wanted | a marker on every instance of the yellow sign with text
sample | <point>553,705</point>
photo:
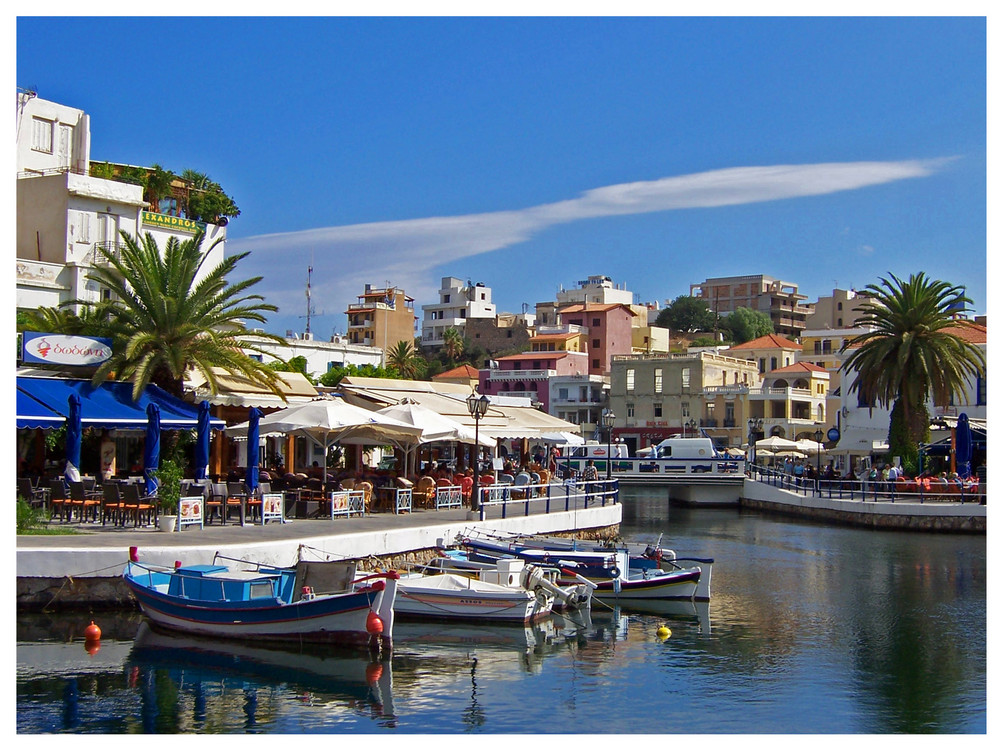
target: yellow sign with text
<point>171,222</point>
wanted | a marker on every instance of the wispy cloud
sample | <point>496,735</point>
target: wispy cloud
<point>407,252</point>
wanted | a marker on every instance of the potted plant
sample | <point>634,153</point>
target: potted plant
<point>168,492</point>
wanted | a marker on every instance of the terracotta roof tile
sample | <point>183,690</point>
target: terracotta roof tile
<point>770,341</point>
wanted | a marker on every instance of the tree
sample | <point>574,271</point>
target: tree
<point>294,364</point>
<point>159,183</point>
<point>910,355</point>
<point>164,322</point>
<point>454,343</point>
<point>745,324</point>
<point>687,314</point>
<point>403,358</point>
<point>206,200</point>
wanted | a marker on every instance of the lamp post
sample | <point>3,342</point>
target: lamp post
<point>607,422</point>
<point>478,405</point>
<point>694,426</point>
<point>753,427</point>
<point>819,451</point>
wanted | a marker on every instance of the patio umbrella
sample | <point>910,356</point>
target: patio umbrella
<point>201,448</point>
<point>151,452</point>
<point>327,421</point>
<point>434,427</point>
<point>963,446</point>
<point>810,447</point>
<point>74,433</point>
<point>253,449</point>
<point>775,443</point>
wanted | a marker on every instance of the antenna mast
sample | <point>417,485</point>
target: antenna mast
<point>309,306</point>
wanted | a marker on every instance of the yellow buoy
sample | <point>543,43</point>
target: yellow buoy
<point>663,632</point>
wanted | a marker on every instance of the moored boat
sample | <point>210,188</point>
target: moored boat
<point>312,602</point>
<point>608,570</point>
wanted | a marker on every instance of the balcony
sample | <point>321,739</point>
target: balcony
<point>521,374</point>
<point>96,255</point>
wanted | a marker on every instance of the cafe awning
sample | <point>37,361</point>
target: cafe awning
<point>33,414</point>
<point>110,405</point>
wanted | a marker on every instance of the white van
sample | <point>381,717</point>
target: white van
<point>680,447</point>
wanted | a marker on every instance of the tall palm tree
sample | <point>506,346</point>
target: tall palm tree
<point>912,352</point>
<point>166,322</point>
<point>403,357</point>
<point>454,342</point>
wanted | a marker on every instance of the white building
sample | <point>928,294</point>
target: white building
<point>64,215</point>
<point>321,356</point>
<point>458,302</point>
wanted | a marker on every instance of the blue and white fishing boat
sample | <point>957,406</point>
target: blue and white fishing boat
<point>609,570</point>
<point>643,559</point>
<point>312,602</point>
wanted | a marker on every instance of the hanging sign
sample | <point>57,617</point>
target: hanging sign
<point>60,349</point>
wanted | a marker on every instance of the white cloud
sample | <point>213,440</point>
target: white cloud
<point>866,250</point>
<point>406,252</point>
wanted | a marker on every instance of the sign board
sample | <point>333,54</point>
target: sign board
<point>272,507</point>
<point>190,511</point>
<point>166,221</point>
<point>59,349</point>
<point>833,435</point>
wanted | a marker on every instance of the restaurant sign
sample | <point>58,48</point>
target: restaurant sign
<point>59,349</point>
<point>177,223</point>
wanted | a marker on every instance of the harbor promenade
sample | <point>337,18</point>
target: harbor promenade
<point>83,569</point>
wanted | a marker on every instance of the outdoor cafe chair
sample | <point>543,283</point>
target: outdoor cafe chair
<point>112,504</point>
<point>86,504</point>
<point>423,493</point>
<point>215,502</point>
<point>255,500</point>
<point>58,498</point>
<point>236,497</point>
<point>34,496</point>
<point>138,506</point>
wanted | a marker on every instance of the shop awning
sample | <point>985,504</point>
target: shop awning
<point>33,414</point>
<point>110,405</point>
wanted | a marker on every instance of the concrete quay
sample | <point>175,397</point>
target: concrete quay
<point>84,570</point>
<point>882,514</point>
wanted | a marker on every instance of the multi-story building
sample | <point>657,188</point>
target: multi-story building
<point>791,401</point>
<point>65,215</point>
<point>608,329</point>
<point>780,300</point>
<point>770,352</point>
<point>840,310</point>
<point>382,317</point>
<point>458,303</point>
<point>505,333</point>
<point>528,374</point>
<point>321,355</point>
<point>654,397</point>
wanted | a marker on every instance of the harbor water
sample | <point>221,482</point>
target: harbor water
<point>811,629</point>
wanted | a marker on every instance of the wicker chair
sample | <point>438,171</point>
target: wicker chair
<point>423,493</point>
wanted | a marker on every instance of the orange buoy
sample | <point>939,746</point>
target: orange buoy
<point>92,633</point>
<point>374,624</point>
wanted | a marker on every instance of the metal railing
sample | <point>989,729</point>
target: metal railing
<point>557,497</point>
<point>865,490</point>
<point>650,467</point>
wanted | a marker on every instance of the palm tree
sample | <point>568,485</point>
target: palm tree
<point>403,357</point>
<point>912,352</point>
<point>166,322</point>
<point>454,342</point>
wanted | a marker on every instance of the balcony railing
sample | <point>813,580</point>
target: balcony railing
<point>96,257</point>
<point>520,374</point>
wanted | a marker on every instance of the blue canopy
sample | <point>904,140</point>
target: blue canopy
<point>74,434</point>
<point>253,450</point>
<point>32,414</point>
<point>151,450</point>
<point>110,404</point>
<point>201,447</point>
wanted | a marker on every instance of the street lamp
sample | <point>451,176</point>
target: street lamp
<point>819,450</point>
<point>478,405</point>
<point>607,422</point>
<point>694,426</point>
<point>753,427</point>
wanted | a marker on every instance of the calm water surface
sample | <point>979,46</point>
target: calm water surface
<point>811,629</point>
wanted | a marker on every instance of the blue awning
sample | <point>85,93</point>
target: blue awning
<point>32,414</point>
<point>110,405</point>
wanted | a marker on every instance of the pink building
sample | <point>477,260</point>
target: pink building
<point>608,328</point>
<point>527,374</point>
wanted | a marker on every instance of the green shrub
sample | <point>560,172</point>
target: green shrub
<point>28,518</point>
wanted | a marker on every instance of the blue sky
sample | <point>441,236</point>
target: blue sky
<point>530,153</point>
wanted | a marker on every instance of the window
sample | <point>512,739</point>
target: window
<point>461,314</point>
<point>595,343</point>
<point>630,379</point>
<point>774,363</point>
<point>657,410</point>
<point>41,135</point>
<point>840,305</point>
<point>761,368</point>
<point>629,411</point>
<point>83,228</point>
<point>981,390</point>
<point>658,380</point>
<point>446,298</point>
<point>686,377</point>
<point>685,409</point>
<point>564,394</point>
<point>596,364</point>
<point>595,323</point>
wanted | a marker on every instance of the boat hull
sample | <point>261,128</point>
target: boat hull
<point>682,585</point>
<point>420,598</point>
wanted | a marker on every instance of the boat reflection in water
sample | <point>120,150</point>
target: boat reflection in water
<point>201,670</point>
<point>697,611</point>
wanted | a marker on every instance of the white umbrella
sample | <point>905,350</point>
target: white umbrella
<point>791,454</point>
<point>775,443</point>
<point>329,420</point>
<point>810,447</point>
<point>434,427</point>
